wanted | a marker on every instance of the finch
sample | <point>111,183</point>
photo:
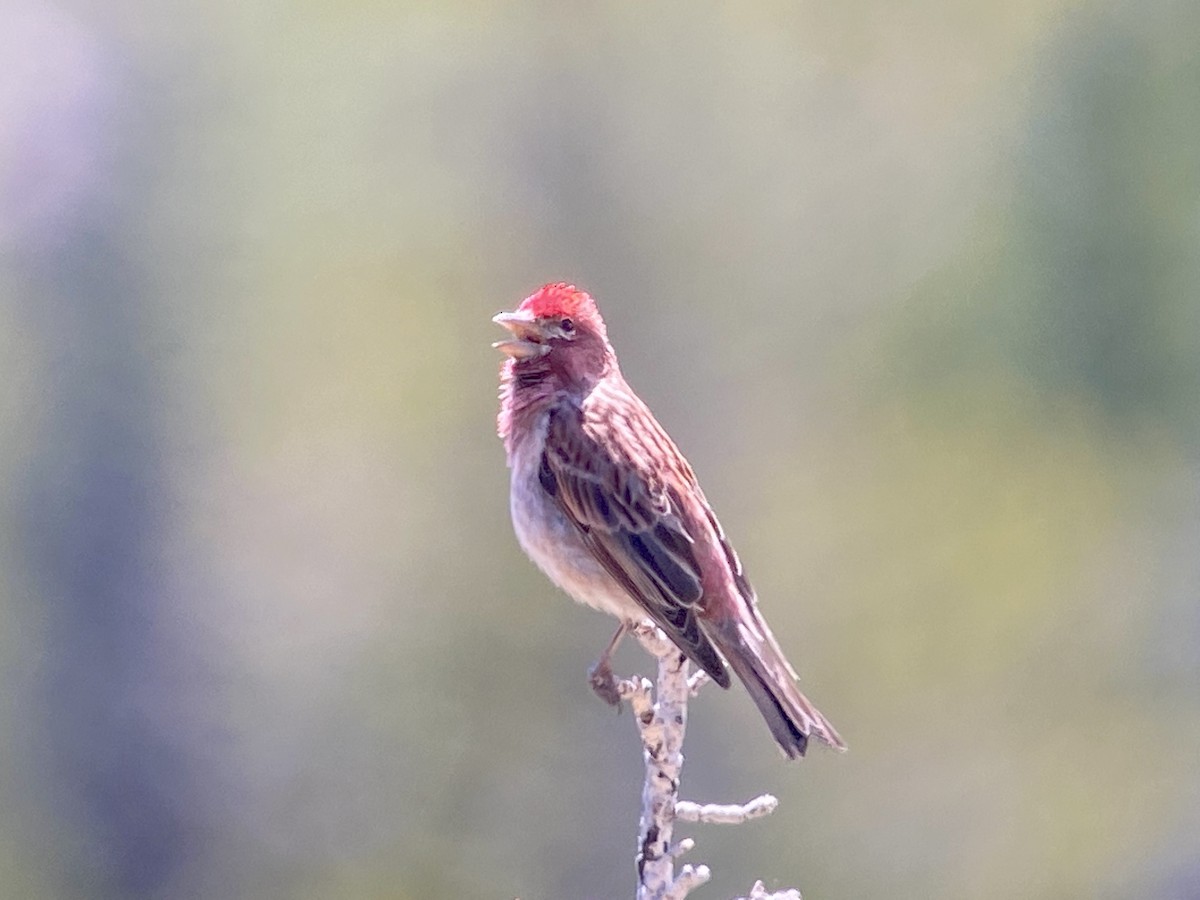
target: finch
<point>606,505</point>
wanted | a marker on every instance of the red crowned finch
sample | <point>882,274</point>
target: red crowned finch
<point>606,505</point>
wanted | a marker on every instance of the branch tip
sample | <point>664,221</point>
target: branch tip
<point>726,813</point>
<point>759,892</point>
<point>698,680</point>
<point>689,878</point>
<point>684,846</point>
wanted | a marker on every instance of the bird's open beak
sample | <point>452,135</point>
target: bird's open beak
<point>527,339</point>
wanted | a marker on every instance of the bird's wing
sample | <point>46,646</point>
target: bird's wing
<point>597,470</point>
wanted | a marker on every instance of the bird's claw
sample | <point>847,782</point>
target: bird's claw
<point>604,684</point>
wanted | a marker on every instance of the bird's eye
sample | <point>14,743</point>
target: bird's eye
<point>567,326</point>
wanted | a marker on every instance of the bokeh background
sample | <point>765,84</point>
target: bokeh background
<point>916,286</point>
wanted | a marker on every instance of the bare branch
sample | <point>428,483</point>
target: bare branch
<point>726,813</point>
<point>660,710</point>
<point>662,727</point>
<point>759,892</point>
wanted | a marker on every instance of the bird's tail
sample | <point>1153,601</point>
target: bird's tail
<point>752,652</point>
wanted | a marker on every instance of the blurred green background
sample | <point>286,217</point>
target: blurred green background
<point>916,287</point>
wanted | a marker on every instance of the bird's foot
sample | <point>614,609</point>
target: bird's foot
<point>604,683</point>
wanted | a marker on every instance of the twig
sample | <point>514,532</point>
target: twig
<point>725,813</point>
<point>696,681</point>
<point>759,892</point>
<point>660,711</point>
<point>662,721</point>
<point>689,877</point>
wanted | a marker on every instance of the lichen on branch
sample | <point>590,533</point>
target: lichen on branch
<point>660,711</point>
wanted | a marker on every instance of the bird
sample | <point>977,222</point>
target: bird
<point>606,505</point>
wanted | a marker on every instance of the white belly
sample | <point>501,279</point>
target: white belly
<point>554,543</point>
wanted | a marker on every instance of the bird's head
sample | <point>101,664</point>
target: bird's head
<point>559,326</point>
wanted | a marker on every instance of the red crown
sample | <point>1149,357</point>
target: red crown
<point>559,299</point>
